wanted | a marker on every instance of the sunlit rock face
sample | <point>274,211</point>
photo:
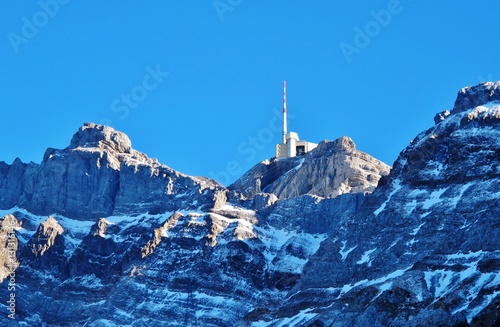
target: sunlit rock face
<point>331,169</point>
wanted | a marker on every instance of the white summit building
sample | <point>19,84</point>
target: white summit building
<point>291,145</point>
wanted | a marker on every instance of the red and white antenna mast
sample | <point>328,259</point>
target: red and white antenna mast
<point>284,112</point>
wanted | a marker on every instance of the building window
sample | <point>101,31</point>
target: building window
<point>301,150</point>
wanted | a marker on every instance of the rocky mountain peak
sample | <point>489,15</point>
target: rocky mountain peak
<point>471,127</point>
<point>473,96</point>
<point>332,168</point>
<point>343,144</point>
<point>99,174</point>
<point>102,226</point>
<point>100,136</point>
<point>45,236</point>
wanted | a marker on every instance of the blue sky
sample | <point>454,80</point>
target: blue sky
<point>197,84</point>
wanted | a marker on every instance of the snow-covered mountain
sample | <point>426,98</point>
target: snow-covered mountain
<point>101,235</point>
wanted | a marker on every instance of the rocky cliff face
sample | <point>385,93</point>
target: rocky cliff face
<point>99,174</point>
<point>333,168</point>
<point>421,249</point>
<point>473,96</point>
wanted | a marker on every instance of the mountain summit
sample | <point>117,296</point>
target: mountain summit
<point>478,95</point>
<point>332,168</point>
<point>99,174</point>
<point>91,135</point>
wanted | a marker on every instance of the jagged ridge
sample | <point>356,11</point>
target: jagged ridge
<point>99,174</point>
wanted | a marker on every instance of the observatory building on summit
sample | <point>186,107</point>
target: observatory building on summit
<point>291,145</point>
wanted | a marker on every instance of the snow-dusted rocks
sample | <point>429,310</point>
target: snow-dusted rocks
<point>159,233</point>
<point>45,236</point>
<point>210,268</point>
<point>473,96</point>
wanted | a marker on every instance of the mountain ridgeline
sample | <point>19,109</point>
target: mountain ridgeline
<point>99,234</point>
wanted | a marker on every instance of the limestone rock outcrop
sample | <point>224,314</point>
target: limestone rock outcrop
<point>333,168</point>
<point>45,237</point>
<point>99,174</point>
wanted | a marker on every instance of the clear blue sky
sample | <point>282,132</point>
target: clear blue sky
<point>219,72</point>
